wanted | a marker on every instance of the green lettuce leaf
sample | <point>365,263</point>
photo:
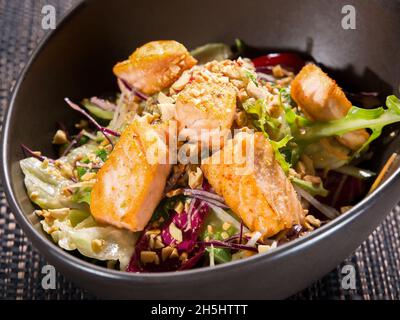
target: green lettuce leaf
<point>357,118</point>
<point>211,51</point>
<point>96,111</point>
<point>270,126</point>
<point>90,239</point>
<point>310,188</point>
<point>45,185</point>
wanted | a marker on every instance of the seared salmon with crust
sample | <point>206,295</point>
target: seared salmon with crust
<point>320,98</point>
<point>155,66</point>
<point>206,105</point>
<point>260,194</point>
<point>130,185</point>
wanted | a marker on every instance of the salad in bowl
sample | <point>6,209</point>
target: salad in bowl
<point>204,157</point>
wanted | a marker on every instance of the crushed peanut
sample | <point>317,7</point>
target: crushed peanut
<point>60,137</point>
<point>158,243</point>
<point>148,257</point>
<point>151,241</point>
<point>97,245</point>
<point>224,235</point>
<point>34,195</point>
<point>153,231</point>
<point>182,81</point>
<point>174,192</point>
<point>263,248</point>
<point>166,252</point>
<point>277,71</point>
<point>59,213</point>
<point>195,178</point>
<point>308,226</point>
<point>345,209</point>
<point>183,257</point>
<point>45,163</point>
<point>174,254</point>
<point>226,226</point>
<point>313,221</point>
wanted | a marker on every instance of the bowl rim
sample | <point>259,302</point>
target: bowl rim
<point>71,261</point>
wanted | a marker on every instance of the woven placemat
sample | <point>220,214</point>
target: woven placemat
<point>377,261</point>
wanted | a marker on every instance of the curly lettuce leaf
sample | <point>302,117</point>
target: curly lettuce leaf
<point>357,118</point>
<point>90,239</point>
<point>310,187</point>
<point>270,126</point>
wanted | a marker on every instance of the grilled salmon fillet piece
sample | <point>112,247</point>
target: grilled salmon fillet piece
<point>155,66</point>
<point>206,104</point>
<point>130,184</point>
<point>320,98</point>
<point>260,194</point>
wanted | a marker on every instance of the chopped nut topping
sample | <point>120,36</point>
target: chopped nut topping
<point>158,243</point>
<point>34,195</point>
<point>45,163</point>
<point>226,226</point>
<point>308,226</point>
<point>174,254</point>
<point>224,235</point>
<point>153,231</point>
<point>263,248</point>
<point>60,137</point>
<point>182,81</point>
<point>345,208</point>
<point>166,252</point>
<point>59,213</point>
<point>174,193</point>
<point>183,257</point>
<point>66,169</point>
<point>313,221</point>
<point>151,241</point>
<point>195,178</point>
<point>52,229</point>
<point>277,71</point>
<point>148,257</point>
<point>97,245</point>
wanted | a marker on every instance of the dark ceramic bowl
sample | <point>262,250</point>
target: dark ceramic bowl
<point>76,60</point>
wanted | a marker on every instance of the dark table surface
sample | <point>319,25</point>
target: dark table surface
<point>376,261</point>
